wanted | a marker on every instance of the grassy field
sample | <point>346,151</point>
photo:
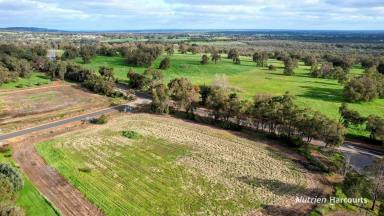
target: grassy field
<point>323,95</point>
<point>36,79</point>
<point>173,168</point>
<point>29,198</point>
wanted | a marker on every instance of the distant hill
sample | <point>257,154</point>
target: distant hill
<point>29,29</point>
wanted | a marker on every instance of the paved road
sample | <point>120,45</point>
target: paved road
<point>64,121</point>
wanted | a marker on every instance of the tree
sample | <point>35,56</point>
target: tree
<point>217,101</point>
<point>204,59</point>
<point>154,76</point>
<point>137,81</point>
<point>170,50</point>
<point>377,189</point>
<point>232,53</point>
<point>363,88</point>
<point>165,63</point>
<point>185,95</point>
<point>106,72</point>
<point>355,184</point>
<point>348,117</point>
<point>310,60</point>
<point>375,125</point>
<point>215,57</point>
<point>5,75</point>
<point>61,70</point>
<point>324,71</point>
<point>261,58</point>
<point>12,175</point>
<point>380,67</point>
<point>271,67</point>
<point>142,56</point>
<point>183,48</point>
<point>160,99</point>
<point>236,60</point>
<point>288,66</point>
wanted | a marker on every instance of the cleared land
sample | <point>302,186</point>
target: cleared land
<point>23,108</point>
<point>176,167</point>
<point>323,95</point>
<point>29,198</point>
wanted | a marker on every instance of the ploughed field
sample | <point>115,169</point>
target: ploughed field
<point>324,95</point>
<point>23,108</point>
<point>174,167</point>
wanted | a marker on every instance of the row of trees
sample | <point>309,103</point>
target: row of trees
<point>276,115</point>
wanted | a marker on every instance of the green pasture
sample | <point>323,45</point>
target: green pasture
<point>324,95</point>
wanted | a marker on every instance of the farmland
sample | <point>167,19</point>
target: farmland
<point>174,167</point>
<point>324,95</point>
<point>21,108</point>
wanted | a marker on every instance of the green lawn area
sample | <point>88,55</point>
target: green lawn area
<point>36,79</point>
<point>29,198</point>
<point>324,95</point>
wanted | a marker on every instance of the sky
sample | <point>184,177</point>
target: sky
<point>193,14</point>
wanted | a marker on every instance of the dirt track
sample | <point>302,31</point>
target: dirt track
<point>65,197</point>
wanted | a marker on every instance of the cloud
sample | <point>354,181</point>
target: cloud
<point>224,14</point>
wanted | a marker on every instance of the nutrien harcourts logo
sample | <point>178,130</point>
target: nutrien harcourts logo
<point>332,200</point>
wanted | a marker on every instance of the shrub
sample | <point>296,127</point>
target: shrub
<point>272,67</point>
<point>8,209</point>
<point>165,63</point>
<point>85,169</point>
<point>355,185</point>
<point>12,175</point>
<point>364,88</point>
<point>6,190</point>
<point>131,134</point>
<point>204,59</point>
<point>103,119</point>
<point>137,81</point>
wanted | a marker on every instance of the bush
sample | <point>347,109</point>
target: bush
<point>131,134</point>
<point>272,67</point>
<point>85,169</point>
<point>355,185</point>
<point>204,59</point>
<point>8,209</point>
<point>363,88</point>
<point>103,119</point>
<point>12,175</point>
<point>165,63</point>
<point>137,81</point>
<point>6,190</point>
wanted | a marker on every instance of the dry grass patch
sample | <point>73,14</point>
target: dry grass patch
<point>23,108</point>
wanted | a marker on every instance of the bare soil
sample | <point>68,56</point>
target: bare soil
<point>24,108</point>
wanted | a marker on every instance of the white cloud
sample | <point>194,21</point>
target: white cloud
<point>146,14</point>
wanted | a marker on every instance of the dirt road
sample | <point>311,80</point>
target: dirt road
<point>66,198</point>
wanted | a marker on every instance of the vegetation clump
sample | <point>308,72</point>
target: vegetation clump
<point>131,134</point>
<point>165,63</point>
<point>103,119</point>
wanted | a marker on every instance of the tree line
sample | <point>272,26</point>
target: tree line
<point>277,115</point>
